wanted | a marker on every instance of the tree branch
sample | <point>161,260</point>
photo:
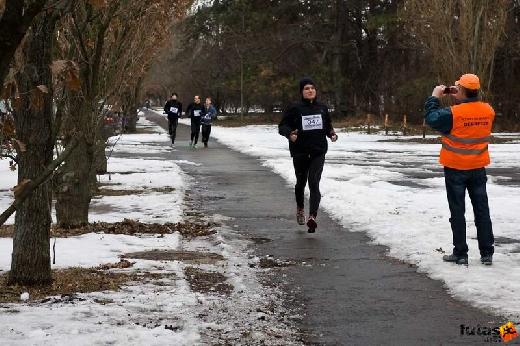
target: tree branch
<point>9,156</point>
<point>33,184</point>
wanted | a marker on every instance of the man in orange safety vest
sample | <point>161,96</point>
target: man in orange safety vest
<point>466,132</point>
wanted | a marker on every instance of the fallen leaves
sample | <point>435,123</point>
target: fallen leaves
<point>129,227</point>
<point>67,283</point>
<point>207,282</point>
<point>193,257</point>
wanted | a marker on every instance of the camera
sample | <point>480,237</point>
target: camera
<point>450,90</point>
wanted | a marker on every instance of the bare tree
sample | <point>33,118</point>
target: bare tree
<point>113,43</point>
<point>34,128</point>
<point>462,35</point>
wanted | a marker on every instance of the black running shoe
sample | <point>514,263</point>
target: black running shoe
<point>311,223</point>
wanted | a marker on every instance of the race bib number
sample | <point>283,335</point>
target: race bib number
<point>196,113</point>
<point>312,122</point>
<point>174,110</point>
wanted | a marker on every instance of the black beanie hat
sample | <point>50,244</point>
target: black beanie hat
<point>304,82</point>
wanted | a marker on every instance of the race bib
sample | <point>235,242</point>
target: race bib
<point>312,122</point>
<point>174,110</point>
<point>196,113</point>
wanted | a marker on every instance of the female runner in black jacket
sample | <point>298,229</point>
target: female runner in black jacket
<point>307,124</point>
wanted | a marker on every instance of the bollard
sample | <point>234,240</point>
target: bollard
<point>424,128</point>
<point>405,126</point>
<point>386,124</point>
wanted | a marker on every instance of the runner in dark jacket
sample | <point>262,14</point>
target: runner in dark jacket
<point>173,109</point>
<point>195,111</point>
<point>207,119</point>
<point>306,125</point>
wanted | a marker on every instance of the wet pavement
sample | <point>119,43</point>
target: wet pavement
<point>347,291</point>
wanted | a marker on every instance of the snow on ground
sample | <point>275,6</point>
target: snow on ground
<point>8,179</point>
<point>96,248</point>
<point>161,312</point>
<point>395,192</point>
<point>148,174</point>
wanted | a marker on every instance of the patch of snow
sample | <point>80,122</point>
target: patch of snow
<point>395,192</point>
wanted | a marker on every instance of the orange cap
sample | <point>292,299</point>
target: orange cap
<point>469,81</point>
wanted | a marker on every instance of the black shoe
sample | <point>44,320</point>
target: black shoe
<point>205,145</point>
<point>487,260</point>
<point>455,259</point>
<point>311,223</point>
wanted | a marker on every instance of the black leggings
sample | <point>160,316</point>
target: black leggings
<point>206,131</point>
<point>308,167</point>
<point>172,128</point>
<point>195,130</point>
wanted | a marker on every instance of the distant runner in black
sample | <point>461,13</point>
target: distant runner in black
<point>306,125</point>
<point>173,109</point>
<point>195,111</point>
<point>209,116</point>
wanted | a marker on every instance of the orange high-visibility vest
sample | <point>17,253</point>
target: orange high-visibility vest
<point>466,146</point>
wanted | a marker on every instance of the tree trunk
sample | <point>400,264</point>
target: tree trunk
<point>15,20</point>
<point>73,190</point>
<point>100,158</point>
<point>131,120</point>
<point>34,127</point>
<point>338,58</point>
<point>131,112</point>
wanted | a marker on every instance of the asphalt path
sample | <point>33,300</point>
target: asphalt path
<point>348,291</point>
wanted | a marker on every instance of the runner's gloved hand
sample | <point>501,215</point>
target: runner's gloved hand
<point>333,137</point>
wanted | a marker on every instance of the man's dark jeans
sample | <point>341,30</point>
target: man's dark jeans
<point>457,181</point>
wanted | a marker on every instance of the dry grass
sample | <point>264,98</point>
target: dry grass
<point>193,257</point>
<point>67,282</point>
<point>264,119</point>
<point>71,281</point>
<point>115,192</point>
